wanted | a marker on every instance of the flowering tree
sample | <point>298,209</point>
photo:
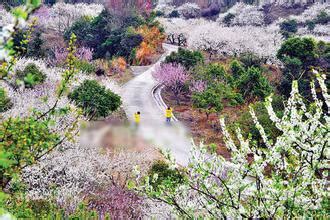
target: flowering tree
<point>189,10</point>
<point>173,77</point>
<point>244,14</point>
<point>61,15</point>
<point>286,178</point>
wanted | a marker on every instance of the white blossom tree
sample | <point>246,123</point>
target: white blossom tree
<point>288,177</point>
<point>244,15</point>
<point>61,15</point>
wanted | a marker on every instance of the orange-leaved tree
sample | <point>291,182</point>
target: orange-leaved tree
<point>152,43</point>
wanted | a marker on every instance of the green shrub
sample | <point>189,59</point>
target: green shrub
<point>304,49</point>
<point>253,84</point>
<point>250,60</point>
<point>186,58</point>
<point>236,68</point>
<point>31,76</point>
<point>94,99</point>
<point>85,67</point>
<point>5,102</point>
<point>165,175</point>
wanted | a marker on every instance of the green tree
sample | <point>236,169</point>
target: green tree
<point>24,141</point>
<point>188,59</point>
<point>253,84</point>
<point>299,56</point>
<point>212,73</point>
<point>289,27</point>
<point>94,99</point>
<point>212,99</point>
<point>237,70</point>
<point>304,49</point>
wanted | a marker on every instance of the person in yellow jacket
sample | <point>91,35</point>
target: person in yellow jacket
<point>137,118</point>
<point>168,114</point>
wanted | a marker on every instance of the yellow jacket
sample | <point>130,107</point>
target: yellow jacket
<point>137,118</point>
<point>168,113</point>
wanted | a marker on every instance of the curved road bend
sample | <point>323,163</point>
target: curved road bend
<point>137,96</point>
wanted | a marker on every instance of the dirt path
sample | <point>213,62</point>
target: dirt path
<point>137,96</point>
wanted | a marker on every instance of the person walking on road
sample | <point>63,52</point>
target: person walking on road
<point>137,118</point>
<point>168,115</point>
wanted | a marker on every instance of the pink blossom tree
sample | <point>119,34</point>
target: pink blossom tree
<point>172,76</point>
<point>60,55</point>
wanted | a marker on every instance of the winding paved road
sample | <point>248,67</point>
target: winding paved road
<point>137,96</point>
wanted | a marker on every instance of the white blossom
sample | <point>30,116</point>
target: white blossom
<point>244,15</point>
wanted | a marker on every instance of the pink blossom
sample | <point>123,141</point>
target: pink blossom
<point>173,77</point>
<point>60,55</point>
<point>85,53</point>
<point>42,13</point>
<point>197,86</point>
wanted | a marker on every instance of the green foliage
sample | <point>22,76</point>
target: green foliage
<point>5,102</point>
<point>228,18</point>
<point>251,60</point>
<point>237,70</point>
<point>213,98</point>
<point>289,27</point>
<point>85,66</point>
<point>165,175</point>
<point>253,84</point>
<point>245,121</point>
<point>299,55</point>
<point>303,49</point>
<point>23,141</point>
<point>212,73</point>
<point>188,59</point>
<point>31,76</point>
<point>94,99</point>
<point>108,34</point>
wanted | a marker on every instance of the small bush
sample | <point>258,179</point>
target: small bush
<point>165,174</point>
<point>94,99</point>
<point>85,67</point>
<point>186,58</point>
<point>251,60</point>
<point>31,76</point>
<point>5,102</point>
